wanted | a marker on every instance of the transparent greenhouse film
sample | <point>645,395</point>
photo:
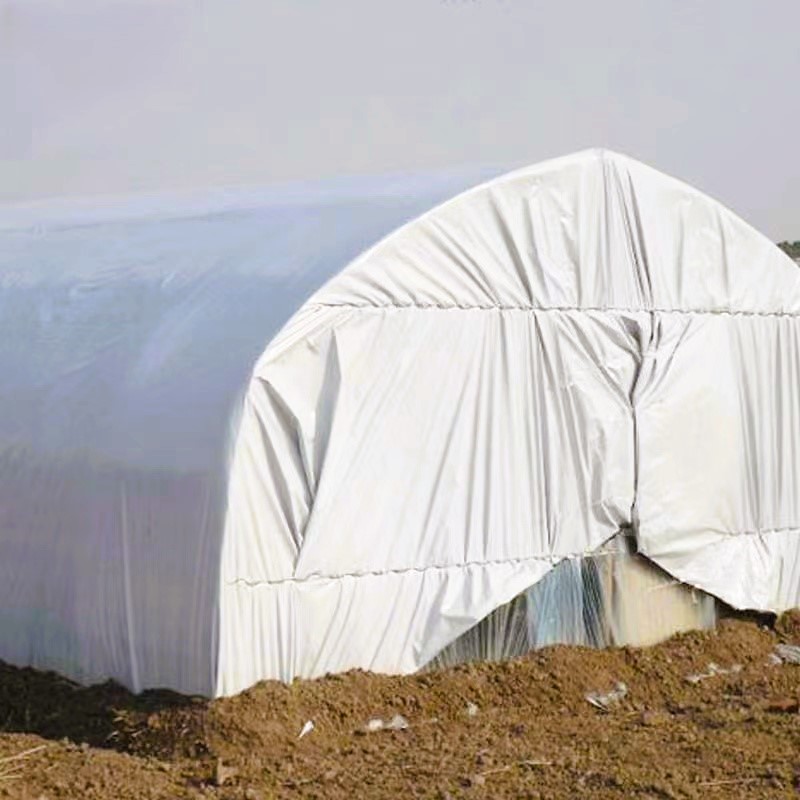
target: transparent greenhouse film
<point>613,597</point>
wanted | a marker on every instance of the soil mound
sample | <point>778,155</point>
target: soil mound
<point>703,714</point>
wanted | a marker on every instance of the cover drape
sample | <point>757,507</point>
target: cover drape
<point>505,382</point>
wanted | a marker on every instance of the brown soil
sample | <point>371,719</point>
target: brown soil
<point>530,733</point>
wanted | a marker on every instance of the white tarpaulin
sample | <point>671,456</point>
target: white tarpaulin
<point>506,382</point>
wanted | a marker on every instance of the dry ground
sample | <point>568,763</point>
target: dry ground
<point>518,729</point>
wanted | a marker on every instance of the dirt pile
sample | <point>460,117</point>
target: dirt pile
<point>704,714</point>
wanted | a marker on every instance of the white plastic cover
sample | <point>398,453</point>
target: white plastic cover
<point>502,384</point>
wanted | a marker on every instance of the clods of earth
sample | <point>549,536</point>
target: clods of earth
<point>711,715</point>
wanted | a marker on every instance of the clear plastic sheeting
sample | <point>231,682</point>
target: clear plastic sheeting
<point>614,597</point>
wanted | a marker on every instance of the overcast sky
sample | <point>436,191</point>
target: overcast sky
<point>117,96</point>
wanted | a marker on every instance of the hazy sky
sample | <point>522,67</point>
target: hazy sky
<point>113,96</point>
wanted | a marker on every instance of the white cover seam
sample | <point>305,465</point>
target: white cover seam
<point>534,309</point>
<point>553,559</point>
